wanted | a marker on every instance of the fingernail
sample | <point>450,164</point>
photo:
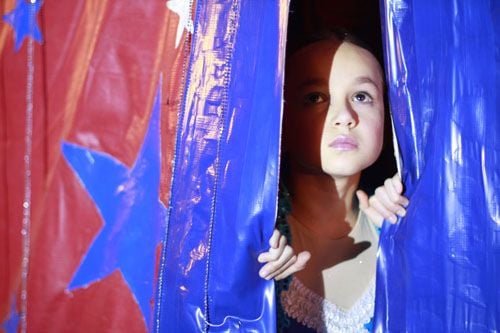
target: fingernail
<point>401,212</point>
<point>393,219</point>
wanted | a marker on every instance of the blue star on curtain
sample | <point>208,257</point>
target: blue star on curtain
<point>11,324</point>
<point>20,19</point>
<point>134,217</point>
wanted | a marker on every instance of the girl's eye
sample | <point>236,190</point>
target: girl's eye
<point>362,97</point>
<point>314,98</point>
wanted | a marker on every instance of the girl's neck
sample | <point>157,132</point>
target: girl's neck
<point>323,205</point>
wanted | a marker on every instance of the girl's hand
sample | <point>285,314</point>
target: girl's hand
<point>281,261</point>
<point>386,203</point>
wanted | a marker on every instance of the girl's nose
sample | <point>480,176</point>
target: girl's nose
<point>344,116</point>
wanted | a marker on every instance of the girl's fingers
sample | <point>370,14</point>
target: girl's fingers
<point>274,240</point>
<point>382,210</point>
<point>273,253</point>
<point>364,205</point>
<point>298,265</point>
<point>273,265</point>
<point>392,190</point>
<point>374,216</point>
<point>397,184</point>
<point>281,269</point>
<point>396,188</point>
<point>382,195</point>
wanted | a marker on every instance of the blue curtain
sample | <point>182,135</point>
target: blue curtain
<point>224,186</point>
<point>438,269</point>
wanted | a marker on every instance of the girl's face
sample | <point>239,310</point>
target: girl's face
<point>334,111</point>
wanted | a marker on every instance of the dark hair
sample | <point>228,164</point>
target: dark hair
<point>334,34</point>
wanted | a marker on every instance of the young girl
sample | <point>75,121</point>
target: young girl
<point>332,130</point>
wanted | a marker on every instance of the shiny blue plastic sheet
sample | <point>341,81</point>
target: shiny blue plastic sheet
<point>224,185</point>
<point>438,269</point>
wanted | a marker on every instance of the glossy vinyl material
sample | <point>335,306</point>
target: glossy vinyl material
<point>438,269</point>
<point>105,101</point>
<point>224,185</point>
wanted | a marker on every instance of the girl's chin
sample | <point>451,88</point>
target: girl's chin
<point>339,173</point>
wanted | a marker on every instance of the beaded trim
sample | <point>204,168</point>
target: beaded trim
<point>313,311</point>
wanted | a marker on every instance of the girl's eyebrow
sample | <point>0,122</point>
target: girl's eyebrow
<point>366,79</point>
<point>313,82</point>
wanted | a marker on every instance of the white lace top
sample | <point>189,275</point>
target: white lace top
<point>313,311</point>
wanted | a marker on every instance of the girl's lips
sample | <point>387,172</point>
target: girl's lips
<point>343,142</point>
